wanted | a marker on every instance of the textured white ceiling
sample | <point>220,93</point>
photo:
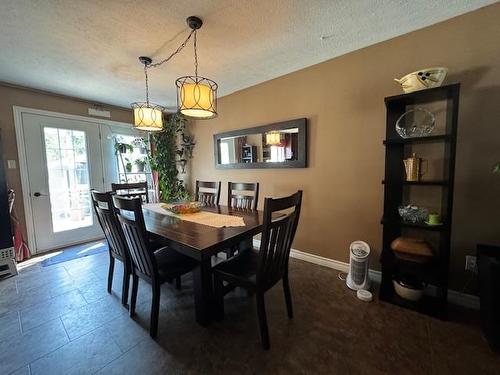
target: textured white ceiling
<point>89,48</point>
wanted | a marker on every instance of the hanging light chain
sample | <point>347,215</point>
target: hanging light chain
<point>195,56</point>
<point>147,85</point>
<point>179,49</point>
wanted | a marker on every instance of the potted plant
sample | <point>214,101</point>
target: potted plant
<point>140,164</point>
<point>165,160</point>
<point>122,148</point>
<point>141,144</point>
<point>128,165</point>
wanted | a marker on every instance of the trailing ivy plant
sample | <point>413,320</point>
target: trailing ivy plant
<point>164,160</point>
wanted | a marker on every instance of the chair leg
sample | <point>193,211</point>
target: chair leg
<point>133,295</point>
<point>219,298</point>
<point>261,312</point>
<point>125,285</point>
<point>110,273</point>
<point>155,311</point>
<point>178,284</point>
<point>288,296</point>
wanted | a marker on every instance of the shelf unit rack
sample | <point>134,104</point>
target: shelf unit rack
<point>394,183</point>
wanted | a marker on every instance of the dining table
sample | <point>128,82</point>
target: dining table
<point>201,242</point>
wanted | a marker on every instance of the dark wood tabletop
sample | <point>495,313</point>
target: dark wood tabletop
<point>200,242</point>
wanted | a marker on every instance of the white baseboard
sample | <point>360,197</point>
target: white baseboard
<point>454,297</point>
<point>463,299</point>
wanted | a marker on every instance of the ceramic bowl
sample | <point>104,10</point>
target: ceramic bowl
<point>417,122</point>
<point>423,79</point>
<point>412,291</point>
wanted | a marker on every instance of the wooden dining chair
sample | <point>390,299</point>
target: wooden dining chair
<point>106,215</point>
<point>154,267</point>
<point>136,189</point>
<point>257,271</point>
<point>242,195</point>
<point>208,192</point>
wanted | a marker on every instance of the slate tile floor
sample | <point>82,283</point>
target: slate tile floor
<point>60,320</point>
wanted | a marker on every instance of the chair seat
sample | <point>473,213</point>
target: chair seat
<point>240,270</point>
<point>172,264</point>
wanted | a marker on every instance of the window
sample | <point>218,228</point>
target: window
<point>277,154</point>
<point>224,153</point>
<point>68,175</point>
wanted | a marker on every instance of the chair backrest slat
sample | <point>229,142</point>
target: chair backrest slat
<point>210,197</point>
<point>277,238</point>
<point>243,195</point>
<point>132,221</point>
<point>137,189</point>
<point>106,215</point>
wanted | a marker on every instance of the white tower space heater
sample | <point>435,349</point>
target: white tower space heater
<point>358,277</point>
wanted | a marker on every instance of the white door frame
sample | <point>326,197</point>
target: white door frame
<point>21,152</point>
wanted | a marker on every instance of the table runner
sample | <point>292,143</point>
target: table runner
<point>211,219</point>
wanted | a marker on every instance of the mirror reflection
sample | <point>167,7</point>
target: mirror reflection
<point>275,146</point>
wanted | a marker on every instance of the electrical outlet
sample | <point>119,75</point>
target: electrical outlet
<point>470,263</point>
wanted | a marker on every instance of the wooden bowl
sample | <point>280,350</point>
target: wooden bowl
<point>412,249</point>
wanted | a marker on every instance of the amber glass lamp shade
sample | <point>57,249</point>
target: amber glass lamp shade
<point>148,116</point>
<point>197,97</point>
<point>273,138</point>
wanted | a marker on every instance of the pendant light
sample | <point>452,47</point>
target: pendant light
<point>147,116</point>
<point>273,138</point>
<point>196,96</point>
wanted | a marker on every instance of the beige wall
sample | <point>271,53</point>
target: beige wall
<point>15,96</point>
<point>343,100</point>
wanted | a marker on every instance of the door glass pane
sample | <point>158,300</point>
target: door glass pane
<point>132,164</point>
<point>68,176</point>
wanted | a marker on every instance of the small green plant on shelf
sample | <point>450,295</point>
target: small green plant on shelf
<point>128,165</point>
<point>140,164</point>
<point>122,148</point>
<point>496,168</point>
<point>142,144</point>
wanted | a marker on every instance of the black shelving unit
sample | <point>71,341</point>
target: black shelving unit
<point>396,189</point>
<point>249,154</point>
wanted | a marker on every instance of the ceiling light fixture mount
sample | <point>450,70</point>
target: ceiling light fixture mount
<point>194,22</point>
<point>145,60</point>
<point>196,95</point>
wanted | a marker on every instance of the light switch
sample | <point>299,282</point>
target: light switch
<point>11,164</point>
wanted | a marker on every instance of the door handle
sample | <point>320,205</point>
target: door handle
<point>38,194</point>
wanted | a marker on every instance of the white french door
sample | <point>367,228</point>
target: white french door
<point>64,162</point>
